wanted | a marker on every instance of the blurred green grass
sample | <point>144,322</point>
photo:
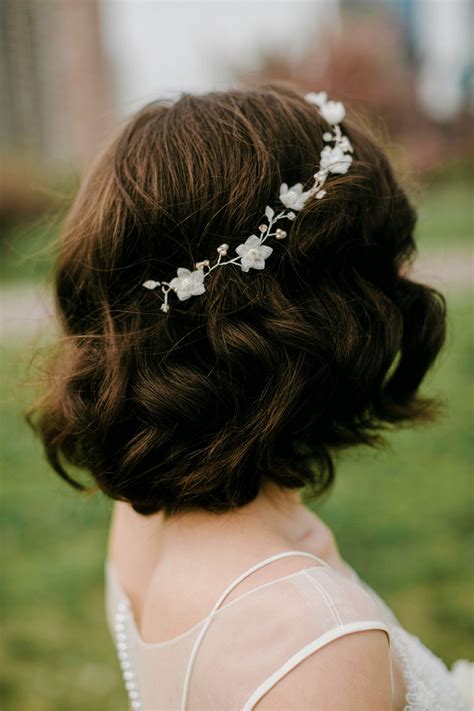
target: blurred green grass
<point>445,213</point>
<point>28,250</point>
<point>402,516</point>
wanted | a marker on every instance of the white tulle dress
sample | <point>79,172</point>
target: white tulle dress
<point>240,650</point>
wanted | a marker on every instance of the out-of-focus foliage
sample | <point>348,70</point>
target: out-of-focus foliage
<point>24,195</point>
<point>33,203</point>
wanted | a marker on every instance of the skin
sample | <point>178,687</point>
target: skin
<point>155,558</point>
<point>165,564</point>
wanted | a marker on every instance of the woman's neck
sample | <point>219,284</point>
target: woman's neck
<point>276,514</point>
<point>275,521</point>
<point>189,545</point>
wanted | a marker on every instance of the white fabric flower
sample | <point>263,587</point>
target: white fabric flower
<point>253,253</point>
<point>333,112</point>
<point>293,198</point>
<point>345,144</point>
<point>462,673</point>
<point>334,160</point>
<point>188,283</point>
<point>318,98</point>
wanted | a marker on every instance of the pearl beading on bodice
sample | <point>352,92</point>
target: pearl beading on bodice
<point>122,617</point>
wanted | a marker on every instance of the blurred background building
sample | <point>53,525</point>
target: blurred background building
<point>55,79</point>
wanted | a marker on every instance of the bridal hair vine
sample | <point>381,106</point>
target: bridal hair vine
<point>253,252</point>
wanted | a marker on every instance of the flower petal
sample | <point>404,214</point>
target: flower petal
<point>297,188</point>
<point>197,276</point>
<point>252,241</point>
<point>265,251</point>
<point>198,289</point>
<point>316,97</point>
<point>183,294</point>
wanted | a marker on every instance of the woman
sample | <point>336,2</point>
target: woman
<point>232,282</point>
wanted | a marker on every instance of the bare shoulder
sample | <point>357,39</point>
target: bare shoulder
<point>352,672</point>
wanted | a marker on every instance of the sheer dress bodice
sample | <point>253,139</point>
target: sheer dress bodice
<point>230,659</point>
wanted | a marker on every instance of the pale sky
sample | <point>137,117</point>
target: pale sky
<point>162,47</point>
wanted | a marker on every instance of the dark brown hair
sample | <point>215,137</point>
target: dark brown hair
<point>269,372</point>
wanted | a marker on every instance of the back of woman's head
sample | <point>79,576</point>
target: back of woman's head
<point>267,373</point>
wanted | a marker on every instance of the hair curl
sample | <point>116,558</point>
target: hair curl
<point>268,373</point>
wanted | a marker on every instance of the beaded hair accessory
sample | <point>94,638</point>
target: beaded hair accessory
<point>253,252</point>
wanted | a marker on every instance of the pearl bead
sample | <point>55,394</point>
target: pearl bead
<point>222,248</point>
<point>123,611</point>
<point>280,234</point>
<point>263,228</point>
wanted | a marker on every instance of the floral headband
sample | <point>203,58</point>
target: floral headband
<point>253,252</point>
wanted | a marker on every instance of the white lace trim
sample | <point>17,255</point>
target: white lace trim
<point>428,680</point>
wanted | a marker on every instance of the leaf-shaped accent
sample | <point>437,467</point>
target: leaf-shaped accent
<point>150,284</point>
<point>269,213</point>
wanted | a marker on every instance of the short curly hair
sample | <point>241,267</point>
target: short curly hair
<point>268,373</point>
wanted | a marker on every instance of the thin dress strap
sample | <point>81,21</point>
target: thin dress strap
<point>221,599</point>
